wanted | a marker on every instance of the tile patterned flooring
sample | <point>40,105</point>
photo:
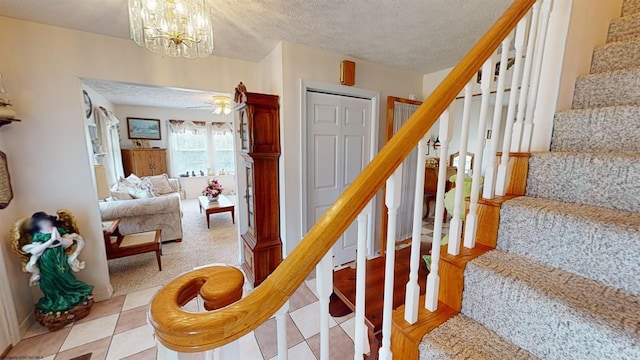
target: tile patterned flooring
<point>117,329</point>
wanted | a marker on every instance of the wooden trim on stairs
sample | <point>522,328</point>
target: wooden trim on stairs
<point>405,337</point>
<point>517,171</point>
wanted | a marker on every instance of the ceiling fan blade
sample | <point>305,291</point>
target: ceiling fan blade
<point>198,107</point>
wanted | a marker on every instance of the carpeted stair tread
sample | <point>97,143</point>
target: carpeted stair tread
<point>624,28</point>
<point>618,55</point>
<point>550,312</point>
<point>630,7</point>
<point>612,88</point>
<point>593,242</point>
<point>461,338</point>
<point>615,128</point>
<point>610,180</point>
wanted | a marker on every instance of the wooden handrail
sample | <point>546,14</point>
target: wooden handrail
<point>188,332</point>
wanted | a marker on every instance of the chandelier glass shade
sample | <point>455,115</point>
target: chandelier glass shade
<point>178,28</point>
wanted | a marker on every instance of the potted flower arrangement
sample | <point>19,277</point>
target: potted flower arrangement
<point>213,189</point>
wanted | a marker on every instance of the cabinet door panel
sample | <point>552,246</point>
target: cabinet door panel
<point>159,162</point>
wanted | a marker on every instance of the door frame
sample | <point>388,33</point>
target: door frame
<point>12,326</point>
<point>340,90</point>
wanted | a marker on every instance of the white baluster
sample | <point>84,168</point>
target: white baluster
<point>392,201</point>
<point>281,331</point>
<point>526,79</point>
<point>471,223</point>
<point>488,191</point>
<point>164,353</point>
<point>433,279</point>
<point>455,226</point>
<point>231,351</point>
<point>527,132</point>
<point>324,285</point>
<point>412,294</point>
<point>361,283</point>
<point>501,179</point>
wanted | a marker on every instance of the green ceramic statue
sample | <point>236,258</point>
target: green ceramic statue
<point>50,246</point>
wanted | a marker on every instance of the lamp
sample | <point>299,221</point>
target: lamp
<point>102,186</point>
<point>178,28</point>
<point>222,104</point>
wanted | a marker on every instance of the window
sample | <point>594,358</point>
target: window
<point>200,151</point>
<point>224,152</point>
<point>189,152</point>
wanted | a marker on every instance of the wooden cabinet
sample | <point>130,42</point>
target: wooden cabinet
<point>144,162</point>
<point>260,147</point>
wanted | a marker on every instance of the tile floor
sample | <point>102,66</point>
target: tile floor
<point>117,329</point>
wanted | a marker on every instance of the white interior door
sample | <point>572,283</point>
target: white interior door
<point>338,143</point>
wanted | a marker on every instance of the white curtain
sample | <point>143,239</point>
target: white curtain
<point>404,229</point>
<point>180,127</point>
<point>109,134</point>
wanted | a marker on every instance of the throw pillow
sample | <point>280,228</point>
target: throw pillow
<point>147,186</point>
<point>134,179</point>
<point>140,194</point>
<point>160,184</point>
<point>121,195</point>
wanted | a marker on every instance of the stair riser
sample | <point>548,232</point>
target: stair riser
<point>630,7</point>
<point>608,89</point>
<point>611,181</point>
<point>616,56</point>
<point>517,303</point>
<point>580,239</point>
<point>600,129</point>
<point>624,28</point>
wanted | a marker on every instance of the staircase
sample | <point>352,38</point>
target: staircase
<point>547,270</point>
<point>564,279</point>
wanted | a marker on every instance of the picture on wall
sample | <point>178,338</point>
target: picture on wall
<point>145,129</point>
<point>6,194</point>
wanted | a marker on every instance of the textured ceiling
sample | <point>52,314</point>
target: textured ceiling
<point>145,95</point>
<point>425,35</point>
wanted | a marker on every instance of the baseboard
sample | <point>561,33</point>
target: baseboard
<point>26,323</point>
<point>4,354</point>
<point>106,294</point>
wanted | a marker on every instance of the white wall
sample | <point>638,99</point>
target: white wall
<point>42,67</point>
<point>164,114</point>
<point>301,62</point>
<point>588,28</point>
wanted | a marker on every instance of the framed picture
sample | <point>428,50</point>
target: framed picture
<point>144,129</point>
<point>6,193</point>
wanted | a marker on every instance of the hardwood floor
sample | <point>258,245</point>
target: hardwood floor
<point>344,285</point>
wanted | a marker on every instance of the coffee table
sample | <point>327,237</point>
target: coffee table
<point>222,205</point>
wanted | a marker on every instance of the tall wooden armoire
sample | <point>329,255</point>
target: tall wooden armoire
<point>260,147</point>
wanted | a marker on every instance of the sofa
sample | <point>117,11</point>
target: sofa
<point>161,212</point>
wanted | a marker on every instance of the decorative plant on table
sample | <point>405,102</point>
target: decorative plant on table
<point>213,190</point>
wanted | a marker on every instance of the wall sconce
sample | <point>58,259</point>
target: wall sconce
<point>436,144</point>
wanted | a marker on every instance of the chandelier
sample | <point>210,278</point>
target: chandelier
<point>178,28</point>
<point>222,104</point>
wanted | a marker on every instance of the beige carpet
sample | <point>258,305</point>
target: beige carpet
<point>200,246</point>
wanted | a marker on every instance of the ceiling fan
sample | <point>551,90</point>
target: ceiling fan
<point>222,104</point>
